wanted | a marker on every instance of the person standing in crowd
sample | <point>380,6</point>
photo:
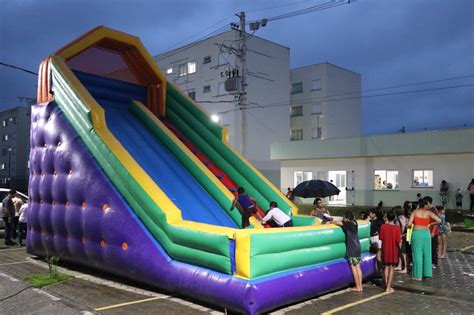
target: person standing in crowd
<point>459,197</point>
<point>8,214</point>
<point>353,251</point>
<point>422,219</point>
<point>470,189</point>
<point>17,202</point>
<point>275,214</point>
<point>419,197</point>
<point>22,221</point>
<point>403,222</point>
<point>443,233</point>
<point>248,206</point>
<point>391,238</point>
<point>443,191</point>
<point>434,231</point>
<point>289,194</point>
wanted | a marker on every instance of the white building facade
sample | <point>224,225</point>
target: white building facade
<point>389,168</point>
<point>200,69</point>
<point>325,102</point>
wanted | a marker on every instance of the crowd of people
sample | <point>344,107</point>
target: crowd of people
<point>14,215</point>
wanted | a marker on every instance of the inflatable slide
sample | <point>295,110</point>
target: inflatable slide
<point>131,177</point>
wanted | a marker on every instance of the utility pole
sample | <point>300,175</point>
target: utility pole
<point>243,91</point>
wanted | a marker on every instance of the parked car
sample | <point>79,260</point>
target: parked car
<point>3,194</point>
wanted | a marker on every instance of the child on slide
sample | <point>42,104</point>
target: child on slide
<point>246,205</point>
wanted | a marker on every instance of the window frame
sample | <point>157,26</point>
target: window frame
<point>183,66</point>
<point>204,88</point>
<point>207,59</point>
<point>191,70</point>
<point>320,112</point>
<point>303,175</point>
<point>292,110</point>
<point>224,59</point>
<point>219,89</point>
<point>423,170</point>
<point>386,171</point>
<point>312,85</point>
<point>293,90</point>
<point>169,70</point>
<point>295,131</point>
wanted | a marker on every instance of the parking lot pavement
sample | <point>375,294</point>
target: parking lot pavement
<point>92,292</point>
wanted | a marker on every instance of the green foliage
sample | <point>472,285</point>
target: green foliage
<point>39,281</point>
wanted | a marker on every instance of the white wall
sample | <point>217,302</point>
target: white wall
<point>456,169</point>
<point>339,118</point>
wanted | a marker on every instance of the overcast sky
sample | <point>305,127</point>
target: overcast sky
<point>388,42</point>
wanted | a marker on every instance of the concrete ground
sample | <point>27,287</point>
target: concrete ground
<point>450,291</point>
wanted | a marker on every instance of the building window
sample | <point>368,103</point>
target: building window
<point>422,178</point>
<point>206,89</point>
<point>221,89</point>
<point>296,134</point>
<point>316,85</point>
<point>297,88</point>
<point>191,67</point>
<point>5,137</point>
<point>316,109</point>
<point>317,133</point>
<point>206,59</point>
<point>300,176</point>
<point>385,179</point>
<point>3,166</point>
<point>296,111</point>
<point>192,95</point>
<point>183,69</point>
<point>4,152</point>
<point>169,71</point>
<point>4,123</point>
<point>223,58</point>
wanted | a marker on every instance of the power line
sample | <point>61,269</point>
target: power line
<point>178,50</point>
<point>367,96</point>
<point>280,6</point>
<point>17,68</point>
<point>325,98</point>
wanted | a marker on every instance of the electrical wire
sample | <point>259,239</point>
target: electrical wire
<point>17,68</point>
<point>181,49</point>
<point>280,6</point>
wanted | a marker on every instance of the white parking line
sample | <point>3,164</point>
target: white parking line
<point>4,275</point>
<point>52,297</point>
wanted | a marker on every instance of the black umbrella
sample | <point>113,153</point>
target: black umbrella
<point>315,188</point>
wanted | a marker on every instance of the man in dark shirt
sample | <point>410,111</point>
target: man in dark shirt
<point>8,214</point>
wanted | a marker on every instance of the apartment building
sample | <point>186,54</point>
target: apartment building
<point>14,147</point>
<point>325,102</point>
<point>201,69</point>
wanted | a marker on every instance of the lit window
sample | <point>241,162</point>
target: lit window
<point>296,134</point>
<point>191,67</point>
<point>206,89</point>
<point>183,69</point>
<point>223,58</point>
<point>316,109</point>
<point>422,178</point>
<point>317,133</point>
<point>316,85</point>
<point>169,71</point>
<point>3,166</point>
<point>385,179</point>
<point>221,89</point>
<point>297,88</point>
<point>4,123</point>
<point>300,176</point>
<point>5,137</point>
<point>192,95</point>
<point>296,111</point>
<point>206,59</point>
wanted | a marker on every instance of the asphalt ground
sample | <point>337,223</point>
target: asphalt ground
<point>91,292</point>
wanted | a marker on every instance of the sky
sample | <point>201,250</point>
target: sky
<point>388,42</point>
